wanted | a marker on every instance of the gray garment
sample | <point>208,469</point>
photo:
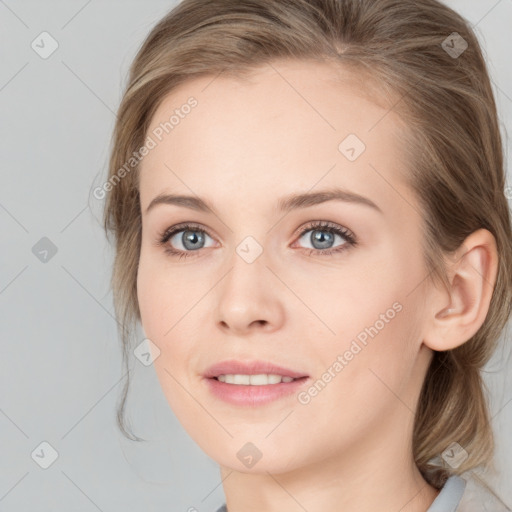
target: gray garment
<point>459,495</point>
<point>449,498</point>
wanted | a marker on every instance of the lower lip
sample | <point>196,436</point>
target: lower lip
<point>238,394</point>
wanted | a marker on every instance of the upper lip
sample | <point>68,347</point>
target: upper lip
<point>233,367</point>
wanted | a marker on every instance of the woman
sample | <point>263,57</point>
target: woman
<point>307,200</point>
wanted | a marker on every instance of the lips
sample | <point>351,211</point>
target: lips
<point>250,368</point>
<point>256,394</point>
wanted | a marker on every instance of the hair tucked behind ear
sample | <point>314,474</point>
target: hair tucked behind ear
<point>453,148</point>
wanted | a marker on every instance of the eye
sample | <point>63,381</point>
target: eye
<point>323,236</point>
<point>181,240</point>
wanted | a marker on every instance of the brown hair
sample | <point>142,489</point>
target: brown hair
<point>454,153</point>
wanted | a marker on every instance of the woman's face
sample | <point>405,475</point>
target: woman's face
<point>258,282</point>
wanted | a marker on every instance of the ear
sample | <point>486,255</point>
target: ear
<point>456,314</point>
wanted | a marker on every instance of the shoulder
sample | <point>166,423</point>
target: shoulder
<point>448,500</point>
<point>467,493</point>
<point>479,496</point>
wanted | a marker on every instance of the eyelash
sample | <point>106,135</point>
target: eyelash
<point>351,240</point>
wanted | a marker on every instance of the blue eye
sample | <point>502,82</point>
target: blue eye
<point>192,239</point>
<point>322,243</point>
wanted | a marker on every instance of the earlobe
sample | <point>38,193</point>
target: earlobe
<point>458,313</point>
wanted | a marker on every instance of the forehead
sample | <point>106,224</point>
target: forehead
<point>284,127</point>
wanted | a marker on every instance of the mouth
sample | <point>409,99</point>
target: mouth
<point>256,373</point>
<point>254,383</point>
<point>261,379</point>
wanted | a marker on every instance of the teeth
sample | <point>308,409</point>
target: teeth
<point>253,380</point>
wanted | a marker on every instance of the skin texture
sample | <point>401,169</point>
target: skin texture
<point>244,146</point>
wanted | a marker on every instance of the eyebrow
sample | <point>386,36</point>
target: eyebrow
<point>284,204</point>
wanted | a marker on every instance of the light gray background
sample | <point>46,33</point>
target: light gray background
<point>60,360</point>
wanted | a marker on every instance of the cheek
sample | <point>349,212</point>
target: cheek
<point>161,307</point>
<point>354,302</point>
<point>363,382</point>
<point>156,294</point>
<point>377,321</point>
<point>169,311</point>
<point>147,293</point>
<point>380,361</point>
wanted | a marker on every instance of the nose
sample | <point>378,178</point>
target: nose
<point>249,298</point>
